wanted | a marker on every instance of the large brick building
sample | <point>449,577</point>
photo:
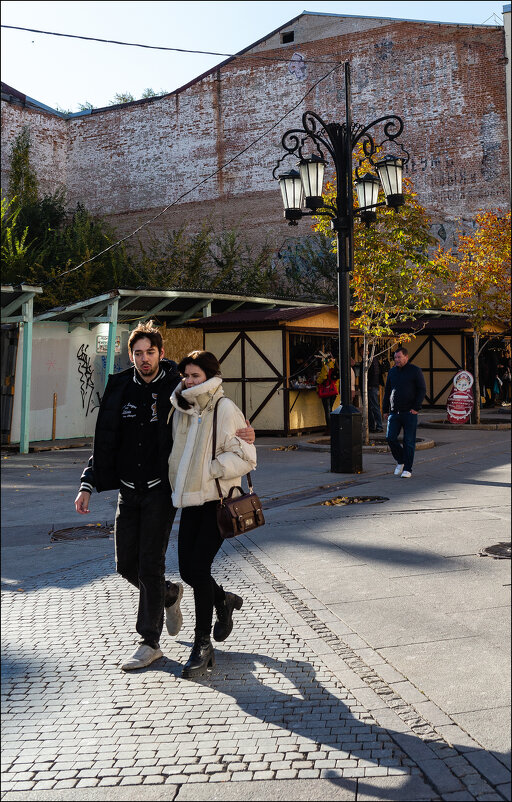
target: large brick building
<point>126,162</point>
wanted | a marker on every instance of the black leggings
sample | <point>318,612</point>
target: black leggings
<point>199,540</point>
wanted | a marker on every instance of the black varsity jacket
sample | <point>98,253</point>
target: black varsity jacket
<point>102,469</point>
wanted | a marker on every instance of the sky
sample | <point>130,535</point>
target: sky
<point>63,73</point>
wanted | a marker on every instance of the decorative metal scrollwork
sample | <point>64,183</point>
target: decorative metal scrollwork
<point>327,137</point>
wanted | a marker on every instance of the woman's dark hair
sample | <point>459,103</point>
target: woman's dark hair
<point>204,360</point>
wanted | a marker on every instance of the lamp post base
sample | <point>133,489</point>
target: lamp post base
<point>346,440</point>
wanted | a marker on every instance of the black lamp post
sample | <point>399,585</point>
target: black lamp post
<point>303,188</point>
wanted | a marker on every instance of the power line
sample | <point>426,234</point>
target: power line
<point>196,186</point>
<point>157,47</point>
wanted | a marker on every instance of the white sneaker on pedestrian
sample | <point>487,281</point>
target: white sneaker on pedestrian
<point>143,656</point>
<point>398,470</point>
<point>173,614</point>
<point>406,474</point>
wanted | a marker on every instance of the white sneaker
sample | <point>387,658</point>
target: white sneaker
<point>406,474</point>
<point>398,470</point>
<point>144,655</point>
<point>173,614</point>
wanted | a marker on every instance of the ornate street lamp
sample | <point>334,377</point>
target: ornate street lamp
<point>302,196</point>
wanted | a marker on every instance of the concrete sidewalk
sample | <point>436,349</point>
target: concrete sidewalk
<point>371,658</point>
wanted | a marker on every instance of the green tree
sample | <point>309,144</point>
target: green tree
<point>22,178</point>
<point>151,93</point>
<point>122,97</point>
<point>209,261</point>
<point>14,245</point>
<point>40,241</point>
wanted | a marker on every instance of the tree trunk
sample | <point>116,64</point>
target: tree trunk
<point>476,385</point>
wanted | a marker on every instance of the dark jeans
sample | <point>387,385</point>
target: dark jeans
<point>142,527</point>
<point>199,540</point>
<point>404,454</point>
<point>327,404</point>
<point>374,413</point>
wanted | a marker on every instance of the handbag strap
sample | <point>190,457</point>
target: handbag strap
<point>214,454</point>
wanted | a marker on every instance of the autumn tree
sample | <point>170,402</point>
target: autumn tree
<point>394,278</point>
<point>479,268</point>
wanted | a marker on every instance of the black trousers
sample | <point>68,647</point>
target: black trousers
<point>142,527</point>
<point>199,540</point>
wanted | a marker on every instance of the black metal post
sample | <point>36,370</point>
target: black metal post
<point>346,420</point>
<point>339,141</point>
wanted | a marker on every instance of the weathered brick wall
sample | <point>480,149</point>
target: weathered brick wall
<point>49,137</point>
<point>446,81</point>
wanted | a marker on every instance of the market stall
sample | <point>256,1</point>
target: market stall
<point>270,363</point>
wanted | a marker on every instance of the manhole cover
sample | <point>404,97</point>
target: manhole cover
<point>501,551</point>
<point>342,501</point>
<point>86,532</point>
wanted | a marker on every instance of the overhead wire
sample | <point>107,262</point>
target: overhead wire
<point>199,183</point>
<point>258,56</point>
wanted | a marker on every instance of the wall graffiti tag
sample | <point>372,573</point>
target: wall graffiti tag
<point>85,372</point>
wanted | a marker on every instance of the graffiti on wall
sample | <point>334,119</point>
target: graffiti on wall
<point>90,398</point>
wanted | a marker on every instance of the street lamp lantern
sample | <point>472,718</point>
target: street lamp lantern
<point>312,177</point>
<point>367,196</point>
<point>390,170</point>
<point>293,195</point>
<point>302,196</point>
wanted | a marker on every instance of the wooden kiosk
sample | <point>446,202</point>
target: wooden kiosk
<point>269,366</point>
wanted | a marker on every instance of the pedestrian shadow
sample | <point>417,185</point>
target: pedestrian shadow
<point>304,707</point>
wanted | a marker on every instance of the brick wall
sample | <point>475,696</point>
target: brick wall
<point>49,136</point>
<point>446,81</point>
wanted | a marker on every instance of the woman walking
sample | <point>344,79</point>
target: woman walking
<point>192,474</point>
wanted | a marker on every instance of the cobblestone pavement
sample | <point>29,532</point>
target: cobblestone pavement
<point>295,695</point>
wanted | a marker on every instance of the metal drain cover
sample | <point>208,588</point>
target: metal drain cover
<point>342,501</point>
<point>86,532</point>
<point>501,551</point>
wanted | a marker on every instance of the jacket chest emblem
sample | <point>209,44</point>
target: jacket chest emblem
<point>154,416</point>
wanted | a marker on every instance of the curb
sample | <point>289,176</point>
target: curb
<point>489,427</point>
<point>421,445</point>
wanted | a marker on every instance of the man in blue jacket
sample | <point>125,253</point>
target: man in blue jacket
<point>403,397</point>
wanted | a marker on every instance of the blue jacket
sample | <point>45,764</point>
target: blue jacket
<point>405,389</point>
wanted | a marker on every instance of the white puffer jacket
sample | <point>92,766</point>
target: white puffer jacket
<point>192,472</point>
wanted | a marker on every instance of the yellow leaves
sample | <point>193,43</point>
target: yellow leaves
<point>480,265</point>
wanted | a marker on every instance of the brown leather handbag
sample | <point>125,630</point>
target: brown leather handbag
<point>241,514</point>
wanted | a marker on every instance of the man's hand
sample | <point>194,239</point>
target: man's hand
<point>413,411</point>
<point>82,502</point>
<point>248,434</point>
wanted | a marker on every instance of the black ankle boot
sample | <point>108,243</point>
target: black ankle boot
<point>224,622</point>
<point>201,658</point>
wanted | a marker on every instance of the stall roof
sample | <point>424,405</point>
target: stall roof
<point>13,296</point>
<point>255,317</point>
<point>175,307</point>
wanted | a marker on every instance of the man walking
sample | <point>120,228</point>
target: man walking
<point>132,444</point>
<point>403,397</point>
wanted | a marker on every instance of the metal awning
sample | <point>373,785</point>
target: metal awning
<point>174,307</point>
<point>16,302</point>
<point>18,307</point>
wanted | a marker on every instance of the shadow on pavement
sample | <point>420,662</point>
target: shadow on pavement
<point>306,708</point>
